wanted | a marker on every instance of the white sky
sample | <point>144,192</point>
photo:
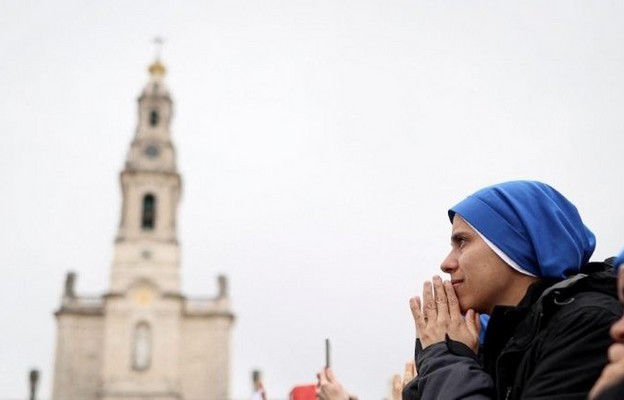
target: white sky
<point>320,144</point>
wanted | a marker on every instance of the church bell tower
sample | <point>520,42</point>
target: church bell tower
<point>147,243</point>
<point>144,339</point>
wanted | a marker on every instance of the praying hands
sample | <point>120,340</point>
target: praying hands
<point>439,315</point>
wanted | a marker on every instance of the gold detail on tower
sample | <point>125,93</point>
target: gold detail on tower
<point>157,69</point>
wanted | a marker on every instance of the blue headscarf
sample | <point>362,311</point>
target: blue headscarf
<point>619,260</point>
<point>533,224</point>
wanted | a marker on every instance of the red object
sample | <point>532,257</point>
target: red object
<point>303,392</point>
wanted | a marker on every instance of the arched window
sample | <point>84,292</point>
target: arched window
<point>154,118</point>
<point>148,216</point>
<point>142,347</point>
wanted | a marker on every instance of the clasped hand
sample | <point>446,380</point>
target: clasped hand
<point>439,314</point>
<point>613,372</point>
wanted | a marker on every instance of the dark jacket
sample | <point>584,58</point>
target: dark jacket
<point>553,345</point>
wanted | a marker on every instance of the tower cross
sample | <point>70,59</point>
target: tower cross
<point>158,44</point>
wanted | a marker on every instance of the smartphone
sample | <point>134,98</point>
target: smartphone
<point>255,376</point>
<point>327,353</point>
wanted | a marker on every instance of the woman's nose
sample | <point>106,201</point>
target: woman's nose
<point>449,264</point>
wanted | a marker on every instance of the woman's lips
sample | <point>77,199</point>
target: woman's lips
<point>456,282</point>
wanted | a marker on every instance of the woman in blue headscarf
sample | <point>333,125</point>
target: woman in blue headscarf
<point>519,253</point>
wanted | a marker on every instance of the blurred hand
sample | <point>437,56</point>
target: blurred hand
<point>612,373</point>
<point>259,393</point>
<point>399,383</point>
<point>441,316</point>
<point>329,388</point>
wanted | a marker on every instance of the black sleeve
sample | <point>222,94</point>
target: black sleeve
<point>449,371</point>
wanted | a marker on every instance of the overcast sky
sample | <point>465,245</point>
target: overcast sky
<point>320,144</point>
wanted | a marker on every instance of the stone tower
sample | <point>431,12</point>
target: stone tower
<point>144,339</point>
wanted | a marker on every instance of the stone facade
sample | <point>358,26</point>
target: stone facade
<point>144,339</point>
